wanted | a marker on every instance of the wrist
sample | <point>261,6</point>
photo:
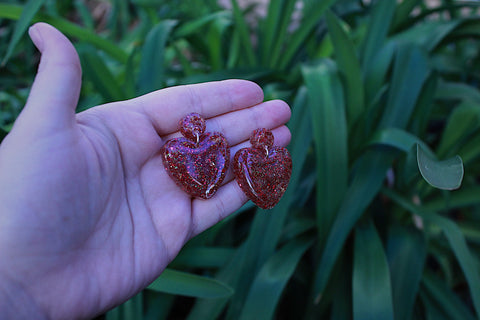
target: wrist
<point>16,303</point>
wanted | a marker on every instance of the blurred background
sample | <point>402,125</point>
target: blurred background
<point>381,219</point>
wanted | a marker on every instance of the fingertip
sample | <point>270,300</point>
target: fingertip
<point>244,93</point>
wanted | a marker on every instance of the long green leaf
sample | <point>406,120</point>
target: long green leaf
<point>379,25</point>
<point>349,66</point>
<point>152,70</point>
<point>369,176</point>
<point>407,253</point>
<point>311,17</point>
<point>372,292</point>
<point>428,34</point>
<point>243,33</point>
<point>191,285</point>
<point>463,121</point>
<point>456,240</point>
<point>272,279</point>
<point>202,257</point>
<point>444,300</point>
<point>325,96</point>
<point>457,91</point>
<point>274,30</point>
<point>409,74</point>
<point>446,174</point>
<point>70,29</point>
<point>25,19</point>
<point>95,69</point>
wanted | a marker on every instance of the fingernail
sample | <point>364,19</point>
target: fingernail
<point>36,37</point>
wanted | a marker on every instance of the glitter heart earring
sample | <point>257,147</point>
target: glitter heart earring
<point>263,170</point>
<point>198,161</point>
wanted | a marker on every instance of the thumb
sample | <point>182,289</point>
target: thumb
<point>55,91</point>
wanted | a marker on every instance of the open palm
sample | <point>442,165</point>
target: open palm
<point>89,215</point>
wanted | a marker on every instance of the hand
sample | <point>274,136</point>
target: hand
<point>89,217</point>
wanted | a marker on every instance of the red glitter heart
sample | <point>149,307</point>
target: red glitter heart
<point>198,162</point>
<point>263,171</point>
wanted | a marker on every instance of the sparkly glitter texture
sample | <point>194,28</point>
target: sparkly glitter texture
<point>198,162</point>
<point>263,171</point>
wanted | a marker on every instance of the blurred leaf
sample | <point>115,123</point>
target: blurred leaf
<point>95,69</point>
<point>369,175</point>
<point>399,139</point>
<point>444,300</point>
<point>69,29</point>
<point>407,253</point>
<point>456,240</point>
<point>203,257</point>
<point>376,73</point>
<point>187,284</point>
<point>402,13</point>
<point>152,70</point>
<point>191,27</point>
<point>457,91</point>
<point>379,24</point>
<point>463,121</point>
<point>25,19</point>
<point>446,174</point>
<point>325,98</point>
<point>243,34</point>
<point>409,74</point>
<point>311,16</point>
<point>464,197</point>
<point>274,30</point>
<point>428,34</point>
<point>372,292</point>
<point>349,66</point>
<point>272,278</point>
<point>130,309</point>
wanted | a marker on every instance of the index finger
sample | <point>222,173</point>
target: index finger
<point>166,107</point>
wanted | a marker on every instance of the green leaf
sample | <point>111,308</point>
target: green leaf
<point>444,300</point>
<point>203,257</point>
<point>25,19</point>
<point>407,253</point>
<point>402,13</point>
<point>463,121</point>
<point>272,278</point>
<point>446,174</point>
<point>311,16</point>
<point>372,292</point>
<point>465,197</point>
<point>376,73</point>
<point>191,285</point>
<point>379,25</point>
<point>457,91</point>
<point>428,34</point>
<point>95,69</point>
<point>189,28</point>
<point>369,175</point>
<point>69,29</point>
<point>325,98</point>
<point>349,66</point>
<point>398,139</point>
<point>152,70</point>
<point>455,239</point>
<point>243,34</point>
<point>274,30</point>
<point>409,74</point>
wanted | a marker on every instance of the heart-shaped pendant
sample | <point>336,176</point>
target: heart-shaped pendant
<point>198,162</point>
<point>263,171</point>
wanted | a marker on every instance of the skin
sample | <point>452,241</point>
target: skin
<point>89,216</point>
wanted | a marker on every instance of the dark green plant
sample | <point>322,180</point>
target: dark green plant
<point>369,227</point>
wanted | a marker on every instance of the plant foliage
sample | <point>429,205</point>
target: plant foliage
<point>382,216</point>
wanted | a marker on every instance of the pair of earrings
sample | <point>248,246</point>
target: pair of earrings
<point>198,163</point>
